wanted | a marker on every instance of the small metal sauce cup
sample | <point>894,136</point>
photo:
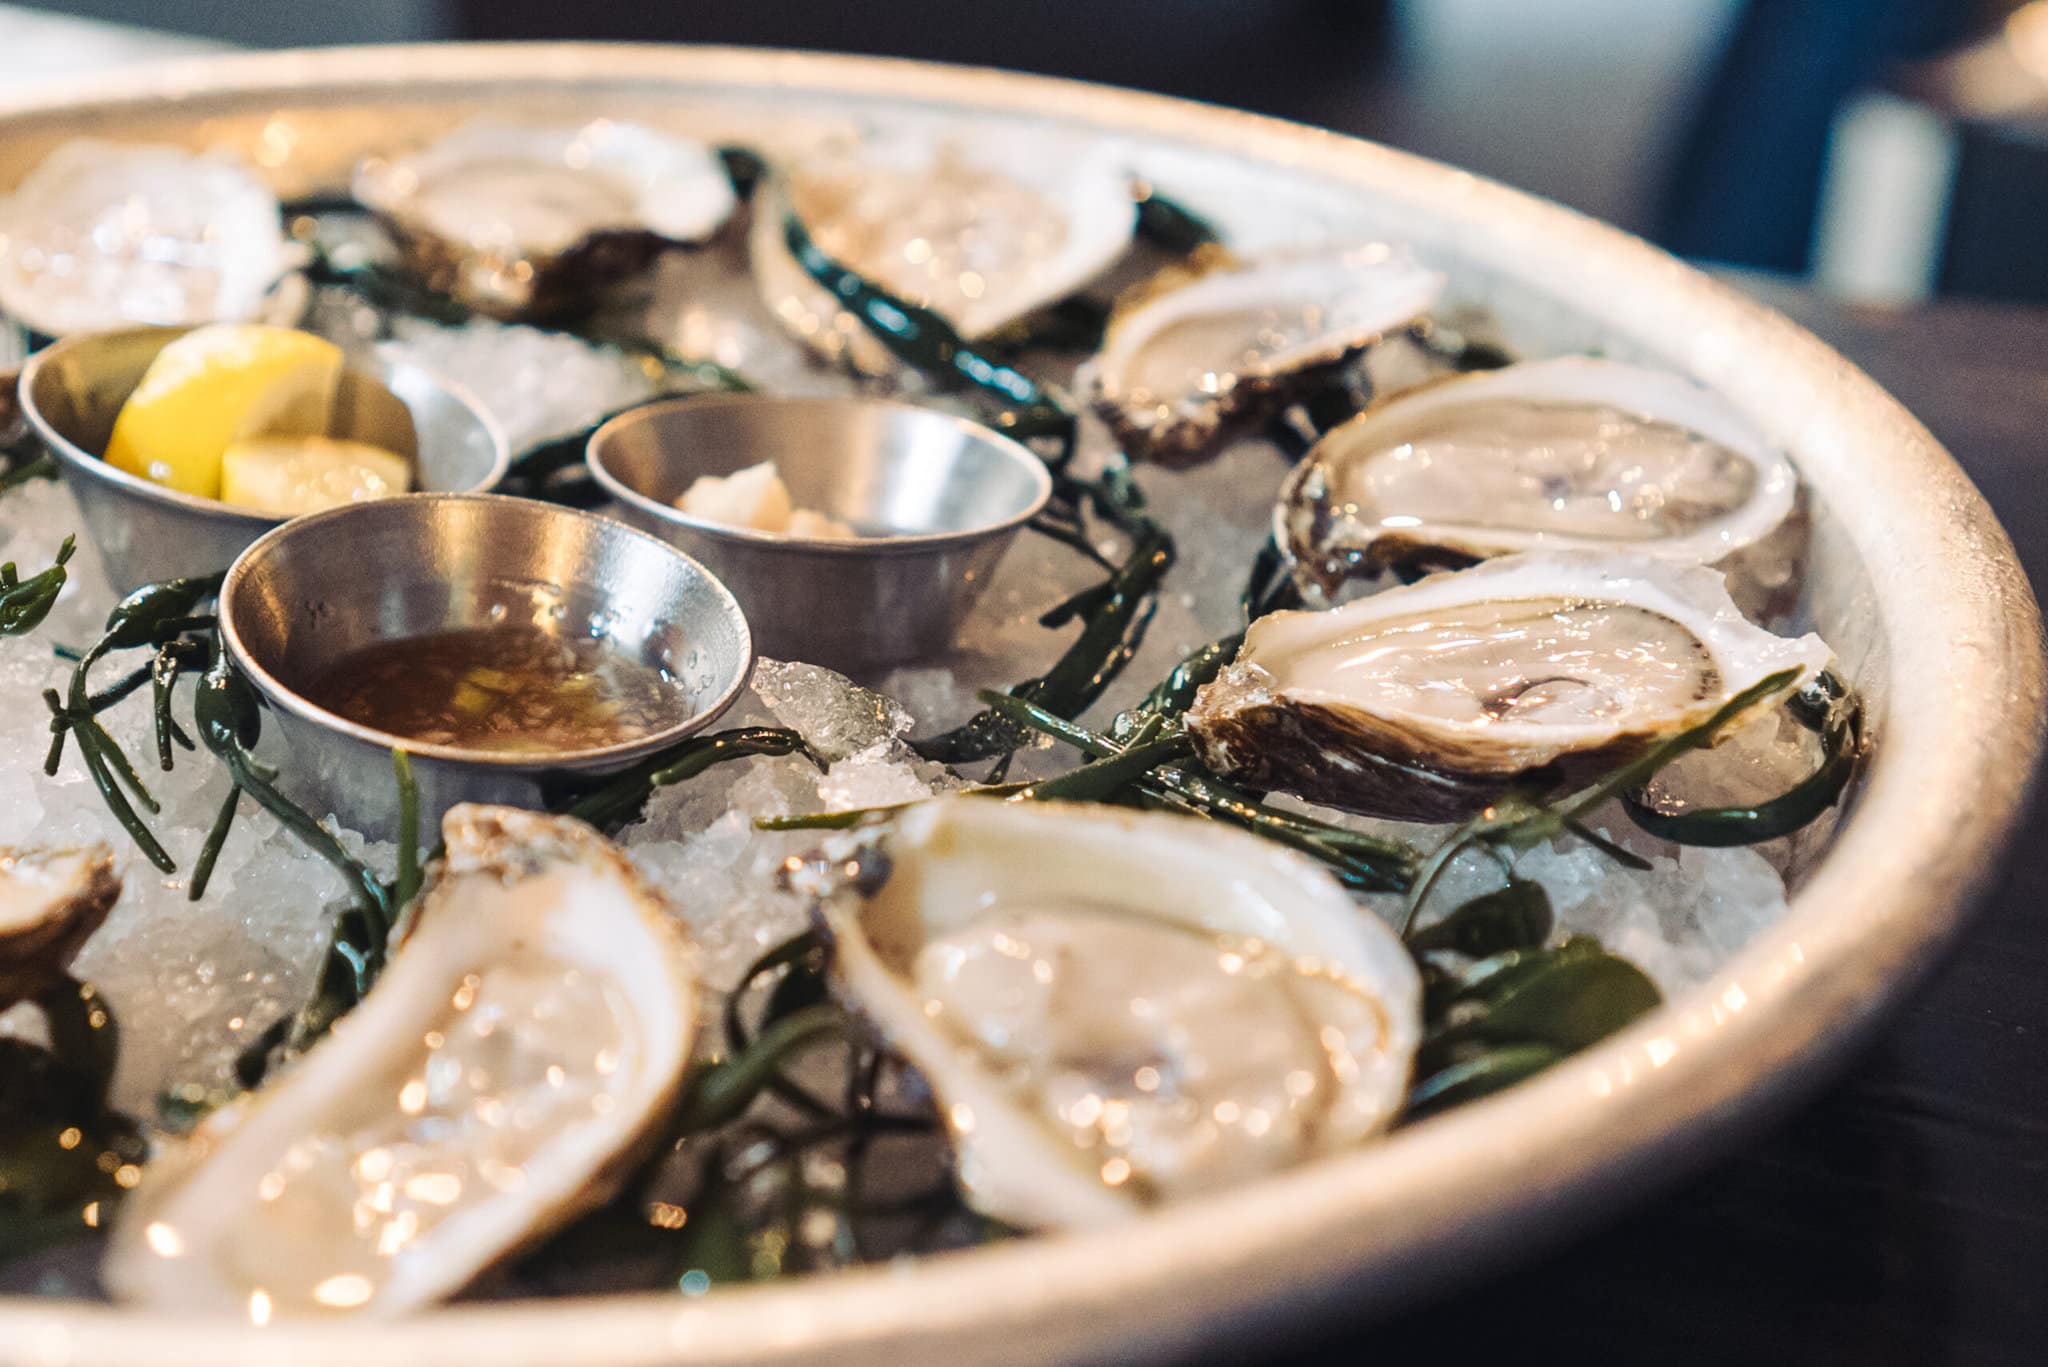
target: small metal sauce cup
<point>321,586</point>
<point>941,496</point>
<point>73,390</point>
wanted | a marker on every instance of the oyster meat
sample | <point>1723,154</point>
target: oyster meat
<point>1206,347</point>
<point>105,235</point>
<point>496,1081</point>
<point>984,228</point>
<point>51,901</point>
<point>1115,1008</point>
<point>522,222</point>
<point>1428,702</point>
<point>1572,453</point>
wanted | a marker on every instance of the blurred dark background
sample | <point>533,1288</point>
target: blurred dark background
<point>1808,137</point>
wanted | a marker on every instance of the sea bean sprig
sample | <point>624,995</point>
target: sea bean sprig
<point>163,618</point>
<point>1514,1013</point>
<point>24,603</point>
<point>1115,613</point>
<point>1363,862</point>
<point>1517,822</point>
<point>1171,226</point>
<point>620,799</point>
<point>67,1156</point>
<point>1825,707</point>
<point>167,619</point>
<point>17,471</point>
<point>923,340</point>
<point>724,1193</point>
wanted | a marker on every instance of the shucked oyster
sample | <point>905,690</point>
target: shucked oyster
<point>536,1020</point>
<point>1560,454</point>
<point>105,235</point>
<point>526,222</point>
<point>51,901</point>
<point>1221,342</point>
<point>1428,702</point>
<point>983,228</point>
<point>1115,1008</point>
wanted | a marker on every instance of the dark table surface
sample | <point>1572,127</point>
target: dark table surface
<point>1900,1217</point>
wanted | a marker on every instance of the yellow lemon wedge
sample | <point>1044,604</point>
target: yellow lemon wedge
<point>218,385</point>
<point>292,475</point>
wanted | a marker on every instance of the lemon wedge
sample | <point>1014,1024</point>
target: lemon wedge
<point>218,385</point>
<point>292,475</point>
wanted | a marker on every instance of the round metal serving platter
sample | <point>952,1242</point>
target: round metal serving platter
<point>1912,581</point>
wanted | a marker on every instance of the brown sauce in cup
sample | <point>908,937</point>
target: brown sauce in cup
<point>504,690</point>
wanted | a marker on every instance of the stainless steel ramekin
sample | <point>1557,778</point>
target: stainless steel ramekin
<point>73,390</point>
<point>320,586</point>
<point>943,496</point>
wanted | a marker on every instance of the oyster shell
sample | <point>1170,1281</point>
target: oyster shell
<point>105,235</point>
<point>984,227</point>
<point>1220,342</point>
<point>494,1083</point>
<point>51,901</point>
<point>1573,453</point>
<point>1430,701</point>
<point>522,222</point>
<point>1115,1008</point>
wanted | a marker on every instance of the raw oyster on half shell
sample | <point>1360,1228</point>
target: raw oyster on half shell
<point>1115,1008</point>
<point>984,227</point>
<point>51,901</point>
<point>1428,702</point>
<point>524,222</point>
<point>494,1084</point>
<point>1573,453</point>
<point>104,235</point>
<point>1205,347</point>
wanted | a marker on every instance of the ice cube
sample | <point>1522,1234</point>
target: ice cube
<point>837,716</point>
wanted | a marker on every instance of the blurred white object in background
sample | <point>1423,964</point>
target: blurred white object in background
<point>1883,204</point>
<point>39,48</point>
<point>1934,181</point>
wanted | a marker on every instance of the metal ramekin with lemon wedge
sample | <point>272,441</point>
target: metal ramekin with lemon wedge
<point>182,446</point>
